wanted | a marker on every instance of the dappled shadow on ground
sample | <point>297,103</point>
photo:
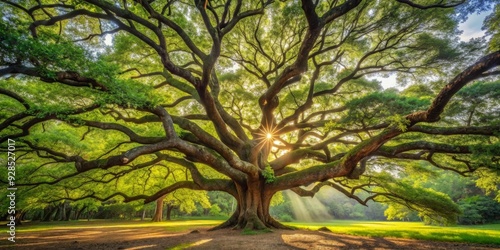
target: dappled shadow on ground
<point>323,240</point>
<point>160,238</point>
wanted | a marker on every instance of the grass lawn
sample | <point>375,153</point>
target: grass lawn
<point>173,226</point>
<point>489,234</point>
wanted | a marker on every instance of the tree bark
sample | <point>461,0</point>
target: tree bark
<point>159,210</point>
<point>49,212</point>
<point>143,214</point>
<point>79,213</point>
<point>252,210</point>
<point>69,211</point>
<point>65,211</point>
<point>89,215</point>
<point>19,217</point>
<point>57,215</point>
<point>169,211</point>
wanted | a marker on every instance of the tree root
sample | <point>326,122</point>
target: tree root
<point>251,223</point>
<point>230,223</point>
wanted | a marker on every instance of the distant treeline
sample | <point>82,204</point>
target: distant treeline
<point>476,206</point>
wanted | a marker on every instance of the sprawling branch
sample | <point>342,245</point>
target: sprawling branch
<point>127,131</point>
<point>451,4</point>
<point>127,198</point>
<point>209,141</point>
<point>124,158</point>
<point>483,130</point>
<point>65,77</point>
<point>14,96</point>
<point>447,92</point>
<point>25,127</point>
<point>268,101</point>
<point>317,187</point>
<point>424,145</point>
<point>348,162</point>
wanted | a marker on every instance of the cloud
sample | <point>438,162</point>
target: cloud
<point>472,27</point>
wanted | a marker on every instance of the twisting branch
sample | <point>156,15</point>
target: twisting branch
<point>416,145</point>
<point>268,100</point>
<point>430,6</point>
<point>15,5</point>
<point>91,36</point>
<point>447,92</point>
<point>311,192</point>
<point>14,96</point>
<point>69,78</point>
<point>350,160</point>
<point>36,120</point>
<point>127,131</point>
<point>176,102</point>
<point>437,165</point>
<point>484,130</point>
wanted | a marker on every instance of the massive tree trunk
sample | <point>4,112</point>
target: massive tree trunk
<point>159,210</point>
<point>252,210</point>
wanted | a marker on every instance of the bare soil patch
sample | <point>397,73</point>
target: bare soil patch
<point>159,238</point>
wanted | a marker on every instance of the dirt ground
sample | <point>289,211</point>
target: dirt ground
<point>158,238</point>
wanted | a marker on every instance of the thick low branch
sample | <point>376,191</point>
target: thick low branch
<point>127,131</point>
<point>483,130</point>
<point>316,188</point>
<point>424,145</point>
<point>15,96</point>
<point>128,198</point>
<point>430,6</point>
<point>128,156</point>
<point>213,143</point>
<point>294,157</point>
<point>199,179</point>
<point>202,154</point>
<point>70,78</point>
<point>30,123</point>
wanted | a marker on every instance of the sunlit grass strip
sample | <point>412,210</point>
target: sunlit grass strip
<point>486,234</point>
<point>176,225</point>
<point>188,245</point>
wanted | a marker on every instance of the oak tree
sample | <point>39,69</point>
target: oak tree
<point>105,98</point>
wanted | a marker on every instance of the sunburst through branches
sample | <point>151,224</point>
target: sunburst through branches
<point>266,136</point>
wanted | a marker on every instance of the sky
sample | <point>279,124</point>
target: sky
<point>472,27</point>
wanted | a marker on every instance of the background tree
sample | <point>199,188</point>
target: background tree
<point>248,97</point>
<point>183,200</point>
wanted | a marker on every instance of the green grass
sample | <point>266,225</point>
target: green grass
<point>173,226</point>
<point>188,245</point>
<point>486,234</point>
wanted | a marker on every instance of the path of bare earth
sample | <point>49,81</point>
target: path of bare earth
<point>159,238</point>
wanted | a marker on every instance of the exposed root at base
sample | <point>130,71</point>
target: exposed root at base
<point>236,223</point>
